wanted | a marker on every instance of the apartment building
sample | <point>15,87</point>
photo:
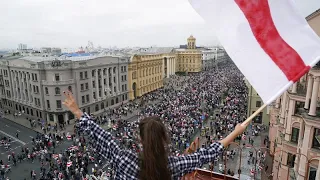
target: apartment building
<point>295,125</point>
<point>208,58</point>
<point>34,85</point>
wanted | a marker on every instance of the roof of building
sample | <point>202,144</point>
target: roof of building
<point>312,15</point>
<point>153,50</point>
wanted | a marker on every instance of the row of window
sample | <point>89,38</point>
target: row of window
<point>150,80</point>
<point>58,104</point>
<point>315,139</point>
<point>37,102</point>
<point>84,75</point>
<point>103,105</point>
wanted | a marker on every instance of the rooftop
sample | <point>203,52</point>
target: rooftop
<point>312,15</point>
<point>153,50</point>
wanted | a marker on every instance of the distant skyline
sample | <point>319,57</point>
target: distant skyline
<point>121,23</point>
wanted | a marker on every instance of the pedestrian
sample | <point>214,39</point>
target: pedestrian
<point>17,134</point>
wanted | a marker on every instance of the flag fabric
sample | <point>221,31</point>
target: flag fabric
<point>69,163</point>
<point>269,40</point>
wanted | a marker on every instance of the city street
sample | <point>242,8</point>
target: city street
<point>22,170</point>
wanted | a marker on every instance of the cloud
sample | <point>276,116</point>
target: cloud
<point>71,23</point>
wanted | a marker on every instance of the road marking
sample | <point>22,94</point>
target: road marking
<point>18,130</point>
<point>23,143</point>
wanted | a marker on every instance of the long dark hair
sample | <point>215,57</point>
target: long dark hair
<point>154,156</point>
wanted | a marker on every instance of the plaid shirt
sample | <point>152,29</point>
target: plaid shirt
<point>126,162</point>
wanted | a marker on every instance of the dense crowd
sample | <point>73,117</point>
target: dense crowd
<point>184,104</point>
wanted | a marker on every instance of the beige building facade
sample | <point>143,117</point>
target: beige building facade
<point>295,125</point>
<point>147,70</point>
<point>189,59</point>
<point>254,103</point>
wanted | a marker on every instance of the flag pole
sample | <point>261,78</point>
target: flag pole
<point>249,119</point>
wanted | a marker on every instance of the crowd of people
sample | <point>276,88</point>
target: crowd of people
<point>185,105</point>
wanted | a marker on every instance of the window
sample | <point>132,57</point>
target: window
<point>93,84</point>
<point>102,105</point>
<point>87,97</point>
<point>316,139</point>
<point>93,73</point>
<point>99,93</point>
<point>94,95</point>
<point>82,87</point>
<point>290,160</point>
<point>125,77</point>
<point>258,103</point>
<point>57,90</point>
<point>81,75</point>
<point>86,74</point>
<point>97,107</point>
<point>104,81</point>
<point>70,88</point>
<point>114,89</point>
<point>87,86</point>
<point>51,117</point>
<point>58,104</point>
<point>57,77</point>
<point>35,77</point>
<point>46,90</point>
<point>48,104</point>
<point>83,100</point>
<point>114,79</point>
<point>295,135</point>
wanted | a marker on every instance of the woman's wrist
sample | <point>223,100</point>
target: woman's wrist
<point>78,114</point>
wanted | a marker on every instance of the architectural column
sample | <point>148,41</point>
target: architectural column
<point>289,118</point>
<point>107,82</point>
<point>172,66</point>
<point>48,118</point>
<point>55,119</point>
<point>102,84</point>
<point>66,117</point>
<point>305,147</point>
<point>278,102</point>
<point>318,171</point>
<point>314,97</point>
<point>309,91</point>
<point>294,87</point>
<point>117,80</point>
<point>97,84</point>
<point>283,107</point>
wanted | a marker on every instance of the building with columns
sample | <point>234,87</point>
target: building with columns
<point>34,85</point>
<point>147,69</point>
<point>295,125</point>
<point>189,59</point>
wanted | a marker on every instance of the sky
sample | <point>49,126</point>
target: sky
<point>108,23</point>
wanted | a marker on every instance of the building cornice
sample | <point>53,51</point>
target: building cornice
<point>312,15</point>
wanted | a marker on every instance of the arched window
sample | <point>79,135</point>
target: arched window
<point>102,105</point>
<point>112,102</point>
<point>97,107</point>
<point>57,90</point>
<point>117,100</point>
<point>46,90</point>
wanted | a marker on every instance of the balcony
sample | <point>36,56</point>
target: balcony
<point>58,83</point>
<point>304,114</point>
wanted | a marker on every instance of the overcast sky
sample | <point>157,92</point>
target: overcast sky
<point>72,23</point>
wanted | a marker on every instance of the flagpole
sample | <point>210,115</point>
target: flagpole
<point>249,119</point>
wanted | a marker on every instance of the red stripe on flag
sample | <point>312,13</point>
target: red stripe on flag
<point>283,55</point>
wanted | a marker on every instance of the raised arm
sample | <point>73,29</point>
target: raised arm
<point>102,141</point>
<point>188,163</point>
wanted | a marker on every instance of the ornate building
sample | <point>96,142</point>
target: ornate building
<point>294,125</point>
<point>148,68</point>
<point>189,59</point>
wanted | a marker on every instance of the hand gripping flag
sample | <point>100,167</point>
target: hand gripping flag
<point>269,41</point>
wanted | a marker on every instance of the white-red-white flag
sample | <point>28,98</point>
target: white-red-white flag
<point>69,163</point>
<point>269,40</point>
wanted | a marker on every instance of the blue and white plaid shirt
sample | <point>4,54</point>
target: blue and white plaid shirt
<point>126,162</point>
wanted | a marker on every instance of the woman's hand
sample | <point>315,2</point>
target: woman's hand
<point>71,104</point>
